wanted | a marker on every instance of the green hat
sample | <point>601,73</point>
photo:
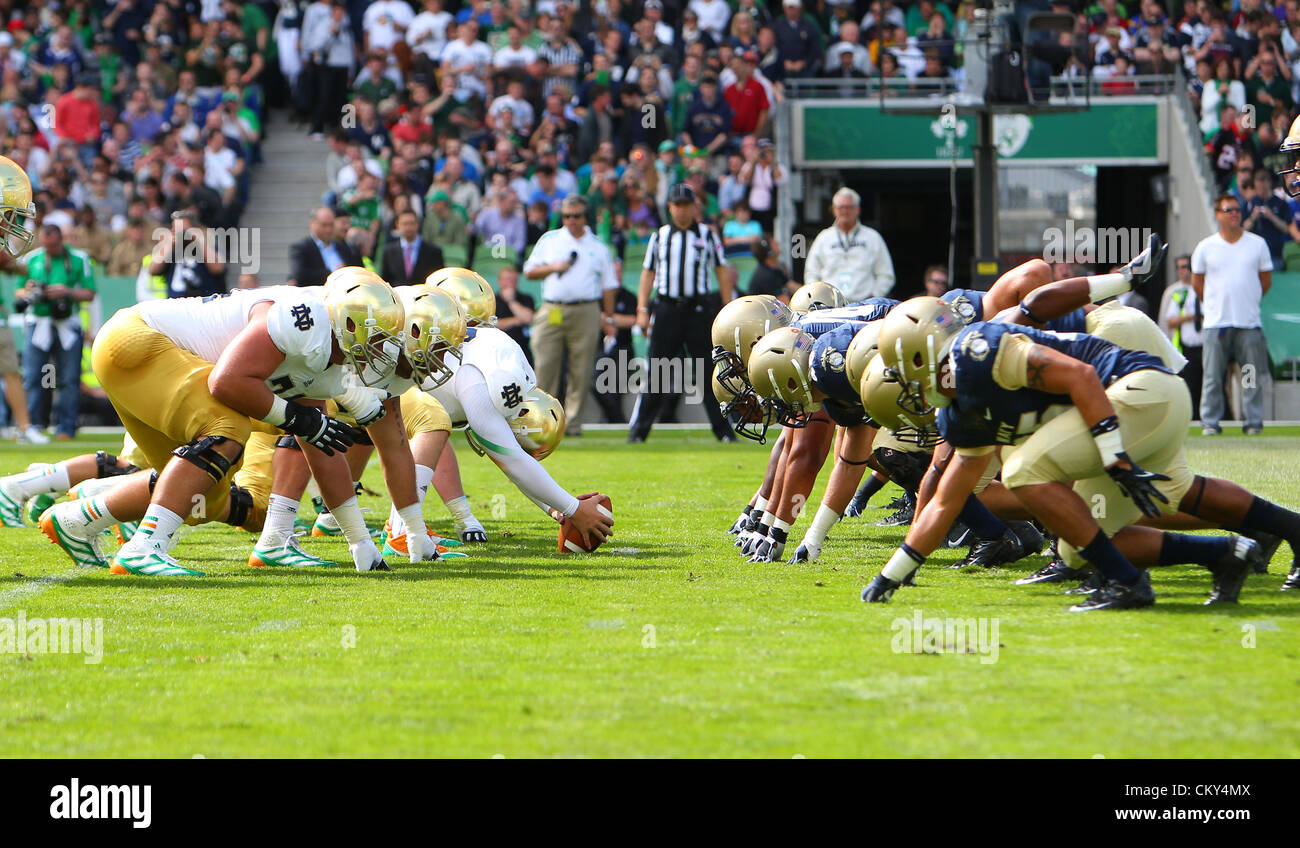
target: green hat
<point>439,195</point>
<point>666,145</point>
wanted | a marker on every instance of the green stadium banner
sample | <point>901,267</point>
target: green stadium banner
<point>857,134</point>
<point>1280,311</point>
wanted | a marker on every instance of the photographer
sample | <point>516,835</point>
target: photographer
<point>59,278</point>
<point>187,260</point>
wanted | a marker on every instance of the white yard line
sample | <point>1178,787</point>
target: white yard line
<point>39,585</point>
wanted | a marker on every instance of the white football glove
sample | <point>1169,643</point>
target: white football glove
<point>421,546</point>
<point>366,557</point>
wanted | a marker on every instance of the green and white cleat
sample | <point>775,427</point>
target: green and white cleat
<point>38,505</point>
<point>125,531</point>
<point>151,563</point>
<point>65,526</point>
<point>288,555</point>
<point>11,511</point>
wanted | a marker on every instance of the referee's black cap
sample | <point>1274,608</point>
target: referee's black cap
<point>681,193</point>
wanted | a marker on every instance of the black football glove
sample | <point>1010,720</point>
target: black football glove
<point>317,429</point>
<point>1138,484</point>
<point>879,590</point>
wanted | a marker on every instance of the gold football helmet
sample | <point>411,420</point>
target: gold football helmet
<point>880,396</point>
<point>367,319</point>
<point>915,339</point>
<point>1291,176</point>
<point>435,326</point>
<point>780,372</point>
<point>862,350</point>
<point>816,295</point>
<point>750,415</point>
<point>538,428</point>
<point>736,329</point>
<point>471,290</point>
<point>16,209</point>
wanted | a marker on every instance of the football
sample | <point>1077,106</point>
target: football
<point>570,539</point>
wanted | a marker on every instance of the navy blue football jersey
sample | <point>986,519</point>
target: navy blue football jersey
<point>821,321</point>
<point>969,303</point>
<point>829,374</point>
<point>985,413</point>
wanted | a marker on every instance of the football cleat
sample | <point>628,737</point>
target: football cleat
<point>1144,266</point>
<point>65,526</point>
<point>154,562</point>
<point>898,502</point>
<point>1268,543</point>
<point>1032,540</point>
<point>1232,569</point>
<point>988,553</point>
<point>327,525</point>
<point>1090,584</point>
<point>33,436</point>
<point>902,517</point>
<point>959,534</point>
<point>1055,571</point>
<point>879,590</point>
<point>1292,580</point>
<point>1115,595</point>
<point>38,505</point>
<point>11,510</point>
<point>288,555</point>
<point>125,531</point>
<point>396,546</point>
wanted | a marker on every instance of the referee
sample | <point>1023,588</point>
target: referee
<point>677,262</point>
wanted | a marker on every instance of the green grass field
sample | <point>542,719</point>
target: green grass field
<point>664,643</point>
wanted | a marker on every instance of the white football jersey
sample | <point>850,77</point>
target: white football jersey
<point>504,367</point>
<point>297,321</point>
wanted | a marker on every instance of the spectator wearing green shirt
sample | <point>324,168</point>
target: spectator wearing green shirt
<point>1266,90</point>
<point>58,278</point>
<point>373,84</point>
<point>444,226</point>
<point>362,203</point>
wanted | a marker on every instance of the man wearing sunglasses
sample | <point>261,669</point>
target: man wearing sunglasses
<point>1231,272</point>
<point>577,300</point>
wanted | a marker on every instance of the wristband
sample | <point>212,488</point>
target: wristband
<point>279,411</point>
<point>1106,435</point>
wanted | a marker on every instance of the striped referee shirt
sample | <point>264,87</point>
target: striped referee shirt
<point>681,259</point>
<point>567,53</point>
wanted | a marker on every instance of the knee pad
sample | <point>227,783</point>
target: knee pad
<point>288,442</point>
<point>203,453</point>
<point>906,468</point>
<point>241,504</point>
<point>106,466</point>
<point>153,480</point>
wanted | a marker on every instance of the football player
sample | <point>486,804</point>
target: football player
<point>490,387</point>
<point>188,377</point>
<point>16,211</point>
<point>1107,409</point>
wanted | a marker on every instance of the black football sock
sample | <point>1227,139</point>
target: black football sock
<point>986,526</point>
<point>1107,559</point>
<point>867,490</point>
<point>1178,548</point>
<point>1271,518</point>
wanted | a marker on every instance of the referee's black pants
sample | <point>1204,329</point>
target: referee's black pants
<point>679,327</point>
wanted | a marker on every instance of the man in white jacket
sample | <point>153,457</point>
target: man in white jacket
<point>849,255</point>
